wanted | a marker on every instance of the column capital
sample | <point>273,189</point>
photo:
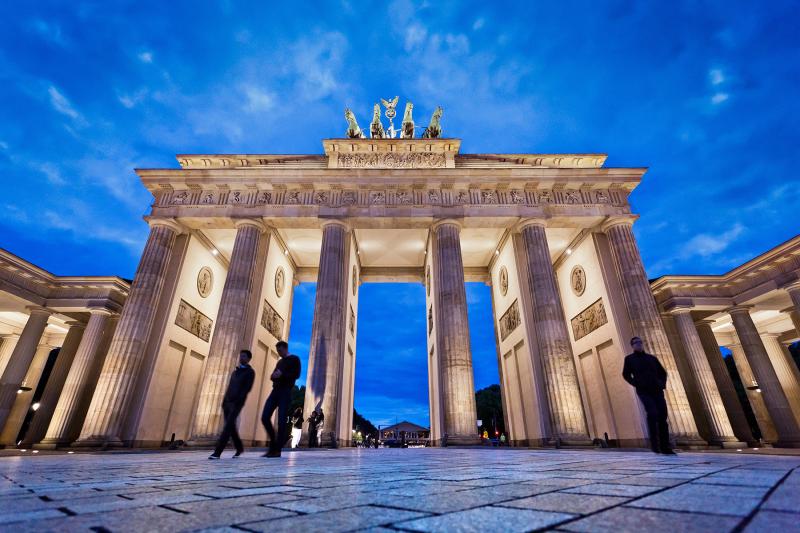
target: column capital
<point>170,223</point>
<point>705,322</point>
<point>769,335</point>
<point>75,324</point>
<point>792,286</point>
<point>525,222</point>
<point>100,311</point>
<point>38,309</point>
<point>739,309</point>
<point>680,310</point>
<point>254,222</point>
<point>610,222</point>
<point>445,221</point>
<point>335,222</point>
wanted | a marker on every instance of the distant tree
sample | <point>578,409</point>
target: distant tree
<point>490,409</point>
<point>362,424</point>
<point>298,398</point>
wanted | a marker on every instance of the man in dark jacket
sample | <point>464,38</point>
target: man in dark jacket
<point>238,387</point>
<point>286,372</point>
<point>644,371</point>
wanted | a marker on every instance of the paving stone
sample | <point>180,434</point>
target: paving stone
<point>785,498</point>
<point>652,521</point>
<point>486,519</point>
<point>567,503</point>
<point>9,516</point>
<point>334,521</point>
<point>732,500</point>
<point>774,521</point>
<point>609,489</point>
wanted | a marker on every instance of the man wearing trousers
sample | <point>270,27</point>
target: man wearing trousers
<point>238,387</point>
<point>644,371</point>
<point>283,377</point>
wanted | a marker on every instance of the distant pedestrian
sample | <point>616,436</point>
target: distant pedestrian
<point>644,371</point>
<point>315,428</point>
<point>502,439</point>
<point>297,426</point>
<point>238,387</point>
<point>287,370</point>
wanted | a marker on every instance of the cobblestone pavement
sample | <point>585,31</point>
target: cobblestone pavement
<point>392,489</point>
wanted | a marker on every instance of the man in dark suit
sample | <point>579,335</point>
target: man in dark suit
<point>644,371</point>
<point>286,372</point>
<point>238,387</point>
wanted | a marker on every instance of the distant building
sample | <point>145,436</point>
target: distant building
<point>413,433</point>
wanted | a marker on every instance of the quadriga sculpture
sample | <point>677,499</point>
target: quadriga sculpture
<point>353,131</point>
<point>434,129</point>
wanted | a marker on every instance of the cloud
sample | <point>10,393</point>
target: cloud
<point>61,104</point>
<point>52,173</point>
<point>718,98</point>
<point>50,32</point>
<point>129,101</point>
<point>708,244</point>
<point>716,76</point>
<point>258,99</point>
<point>478,24</point>
<point>145,57</point>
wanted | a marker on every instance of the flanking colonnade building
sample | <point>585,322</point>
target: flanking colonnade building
<point>231,235</point>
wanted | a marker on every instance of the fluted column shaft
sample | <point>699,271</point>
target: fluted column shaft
<point>77,379</point>
<point>55,384</point>
<point>226,342</point>
<point>21,359</point>
<point>778,406</point>
<point>326,353</point>
<point>112,397</point>
<point>561,378</point>
<point>718,423</point>
<point>786,371</point>
<point>646,323</point>
<point>722,379</point>
<point>754,397</point>
<point>794,293</point>
<point>452,332</point>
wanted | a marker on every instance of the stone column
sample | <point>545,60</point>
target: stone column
<point>452,336</point>
<point>55,384</point>
<point>785,369</point>
<point>646,323</point>
<point>721,432</point>
<point>754,396</point>
<point>555,349</point>
<point>328,331</point>
<point>226,342</point>
<point>7,343</point>
<point>794,293</point>
<point>722,379</point>
<point>21,359</point>
<point>778,406</point>
<point>77,379</point>
<point>112,396</point>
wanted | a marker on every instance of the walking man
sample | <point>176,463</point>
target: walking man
<point>644,371</point>
<point>297,426</point>
<point>283,377</point>
<point>238,387</point>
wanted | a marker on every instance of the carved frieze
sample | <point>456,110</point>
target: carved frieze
<point>577,280</point>
<point>510,320</point>
<point>589,320</point>
<point>392,160</point>
<point>205,282</point>
<point>193,321</point>
<point>405,197</point>
<point>503,280</point>
<point>280,281</point>
<point>272,321</point>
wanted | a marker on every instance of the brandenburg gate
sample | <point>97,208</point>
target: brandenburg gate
<point>232,234</point>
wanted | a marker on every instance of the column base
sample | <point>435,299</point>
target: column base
<point>98,442</point>
<point>50,444</point>
<point>787,444</point>
<point>728,444</point>
<point>690,442</point>
<point>569,441</point>
<point>203,441</point>
<point>463,440</point>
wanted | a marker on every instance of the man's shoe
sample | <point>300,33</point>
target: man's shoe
<point>237,454</point>
<point>668,452</point>
<point>213,456</point>
<point>272,453</point>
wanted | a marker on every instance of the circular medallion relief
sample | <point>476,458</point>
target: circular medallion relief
<point>428,280</point>
<point>205,281</point>
<point>503,280</point>
<point>355,280</point>
<point>577,280</point>
<point>280,281</point>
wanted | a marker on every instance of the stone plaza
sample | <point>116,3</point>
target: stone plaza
<point>431,489</point>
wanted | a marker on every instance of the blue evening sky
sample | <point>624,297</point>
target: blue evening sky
<point>703,93</point>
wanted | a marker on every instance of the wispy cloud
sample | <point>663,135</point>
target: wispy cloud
<point>145,57</point>
<point>719,98</point>
<point>61,103</point>
<point>709,244</point>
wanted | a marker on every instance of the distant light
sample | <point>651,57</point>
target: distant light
<point>755,448</point>
<point>23,450</point>
<point>758,390</point>
<point>36,406</point>
<point>214,251</point>
<point>35,451</point>
<point>497,252</point>
<point>569,251</point>
<point>738,449</point>
<point>286,252</point>
<point>70,452</point>
<point>19,391</point>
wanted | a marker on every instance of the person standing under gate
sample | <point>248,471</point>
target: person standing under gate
<point>645,373</point>
<point>238,387</point>
<point>297,426</point>
<point>283,377</point>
